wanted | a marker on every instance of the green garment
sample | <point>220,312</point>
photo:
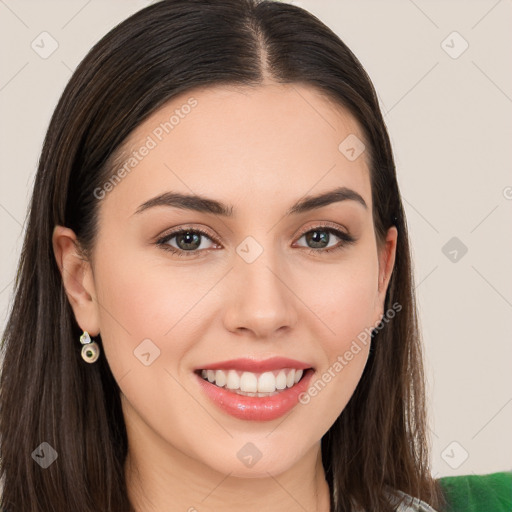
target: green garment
<point>478,493</point>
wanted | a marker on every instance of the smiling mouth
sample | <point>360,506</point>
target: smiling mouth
<point>253,384</point>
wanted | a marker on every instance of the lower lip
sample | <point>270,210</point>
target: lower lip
<point>256,408</point>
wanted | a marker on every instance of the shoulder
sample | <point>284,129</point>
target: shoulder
<point>478,492</point>
<point>406,503</point>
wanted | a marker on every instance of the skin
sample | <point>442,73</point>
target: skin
<point>260,150</point>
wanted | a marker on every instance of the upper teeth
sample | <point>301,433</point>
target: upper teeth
<point>266,382</point>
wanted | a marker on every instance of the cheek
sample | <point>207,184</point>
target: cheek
<point>148,323</point>
<point>343,299</point>
<point>348,314</point>
<point>342,296</point>
<point>142,297</point>
<point>349,317</point>
<point>139,301</point>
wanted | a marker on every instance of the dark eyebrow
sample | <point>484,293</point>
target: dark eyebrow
<point>326,198</point>
<point>206,205</point>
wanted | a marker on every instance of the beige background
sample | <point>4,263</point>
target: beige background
<point>451,127</point>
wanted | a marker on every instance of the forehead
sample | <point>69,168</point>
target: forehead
<point>276,140</point>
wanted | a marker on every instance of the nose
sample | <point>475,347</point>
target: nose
<point>262,301</point>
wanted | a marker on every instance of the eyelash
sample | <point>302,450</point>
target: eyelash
<point>346,239</point>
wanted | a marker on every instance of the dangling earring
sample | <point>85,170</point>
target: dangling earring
<point>90,349</point>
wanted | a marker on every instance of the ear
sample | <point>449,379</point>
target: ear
<point>77,278</point>
<point>386,257</point>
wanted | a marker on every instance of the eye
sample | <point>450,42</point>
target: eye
<point>188,241</point>
<point>320,237</point>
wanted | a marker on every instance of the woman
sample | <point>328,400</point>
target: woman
<point>214,306</point>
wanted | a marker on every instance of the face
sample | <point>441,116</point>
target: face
<point>262,282</point>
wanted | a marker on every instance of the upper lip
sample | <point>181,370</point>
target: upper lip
<point>255,366</point>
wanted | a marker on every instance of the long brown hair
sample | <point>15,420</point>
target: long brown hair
<point>49,394</point>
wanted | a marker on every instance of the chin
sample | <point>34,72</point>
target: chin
<point>245,460</point>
